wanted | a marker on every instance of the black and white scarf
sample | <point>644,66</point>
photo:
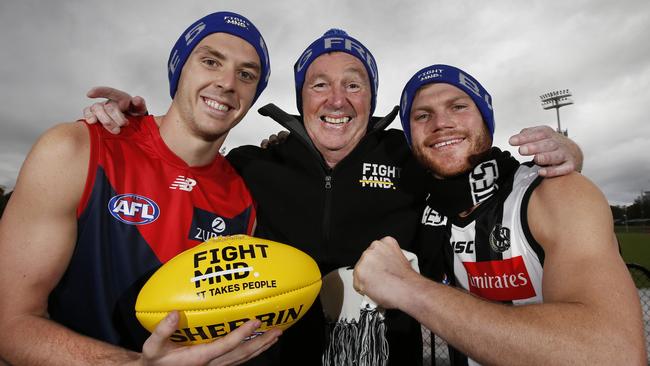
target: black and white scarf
<point>356,332</point>
<point>452,196</point>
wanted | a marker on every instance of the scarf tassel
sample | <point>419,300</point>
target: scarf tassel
<point>362,343</point>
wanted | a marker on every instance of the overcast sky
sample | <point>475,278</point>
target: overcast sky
<point>54,51</point>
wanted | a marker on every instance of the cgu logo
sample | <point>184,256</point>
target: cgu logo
<point>133,209</point>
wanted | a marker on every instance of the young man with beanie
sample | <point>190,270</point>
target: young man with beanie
<point>339,181</point>
<point>511,237</point>
<point>93,215</point>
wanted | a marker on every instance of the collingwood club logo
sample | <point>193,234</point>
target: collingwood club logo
<point>500,238</point>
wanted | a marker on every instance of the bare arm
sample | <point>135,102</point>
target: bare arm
<point>591,312</point>
<point>556,153</point>
<point>43,204</point>
<point>37,237</point>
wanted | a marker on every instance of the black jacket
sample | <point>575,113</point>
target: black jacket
<point>334,214</point>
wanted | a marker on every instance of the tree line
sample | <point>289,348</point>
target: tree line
<point>634,213</point>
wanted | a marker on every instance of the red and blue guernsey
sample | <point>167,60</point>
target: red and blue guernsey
<point>142,205</point>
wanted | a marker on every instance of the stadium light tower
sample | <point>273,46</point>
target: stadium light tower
<point>557,99</point>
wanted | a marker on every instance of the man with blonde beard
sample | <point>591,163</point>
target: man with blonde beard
<point>511,237</point>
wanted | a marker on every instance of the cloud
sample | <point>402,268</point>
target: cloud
<point>55,51</point>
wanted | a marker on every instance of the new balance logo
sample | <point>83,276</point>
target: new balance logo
<point>182,183</point>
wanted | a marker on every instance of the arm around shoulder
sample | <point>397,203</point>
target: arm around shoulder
<point>243,156</point>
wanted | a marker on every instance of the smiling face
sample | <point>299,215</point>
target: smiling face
<point>447,130</point>
<point>336,104</point>
<point>217,86</point>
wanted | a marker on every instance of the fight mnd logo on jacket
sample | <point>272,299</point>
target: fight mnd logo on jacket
<point>379,175</point>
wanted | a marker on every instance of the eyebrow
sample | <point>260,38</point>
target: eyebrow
<point>248,64</point>
<point>355,70</point>
<point>252,65</point>
<point>211,51</point>
<point>456,99</point>
<point>426,107</point>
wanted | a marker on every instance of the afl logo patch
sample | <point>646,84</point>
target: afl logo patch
<point>500,238</point>
<point>133,209</point>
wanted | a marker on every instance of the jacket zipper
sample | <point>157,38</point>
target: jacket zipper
<point>328,171</point>
<point>328,204</point>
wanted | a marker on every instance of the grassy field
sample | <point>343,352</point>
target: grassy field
<point>635,245</point>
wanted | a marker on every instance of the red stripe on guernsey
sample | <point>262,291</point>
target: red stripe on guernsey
<point>500,280</point>
<point>138,162</point>
<point>92,168</point>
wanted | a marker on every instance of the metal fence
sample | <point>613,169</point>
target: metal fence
<point>436,354</point>
<point>641,277</point>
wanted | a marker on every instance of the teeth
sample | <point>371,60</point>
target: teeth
<point>216,105</point>
<point>445,143</point>
<point>336,120</point>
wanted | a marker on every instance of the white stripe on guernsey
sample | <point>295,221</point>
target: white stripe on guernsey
<point>216,274</point>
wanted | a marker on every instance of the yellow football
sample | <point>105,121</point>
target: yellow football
<point>220,284</point>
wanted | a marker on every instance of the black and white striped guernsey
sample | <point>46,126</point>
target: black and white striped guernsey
<point>491,251</point>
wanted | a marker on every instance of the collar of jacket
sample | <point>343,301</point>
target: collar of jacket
<point>295,125</point>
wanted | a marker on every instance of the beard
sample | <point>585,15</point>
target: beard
<point>443,167</point>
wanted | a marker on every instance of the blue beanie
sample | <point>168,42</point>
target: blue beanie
<point>336,40</point>
<point>224,22</point>
<point>448,75</point>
